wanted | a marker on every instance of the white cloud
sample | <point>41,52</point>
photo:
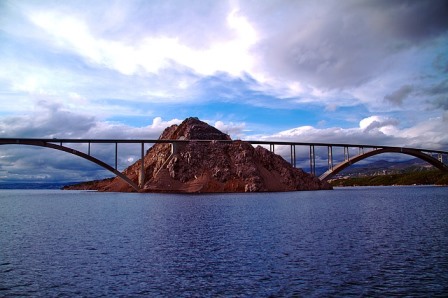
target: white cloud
<point>373,130</point>
<point>51,119</point>
<point>380,123</point>
<point>430,133</point>
<point>55,121</point>
<point>235,130</point>
<point>160,125</point>
<point>151,53</point>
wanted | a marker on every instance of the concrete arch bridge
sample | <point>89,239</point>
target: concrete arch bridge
<point>437,158</point>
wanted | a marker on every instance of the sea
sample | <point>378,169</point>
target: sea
<point>347,242</point>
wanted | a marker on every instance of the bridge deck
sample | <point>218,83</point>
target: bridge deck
<point>167,141</point>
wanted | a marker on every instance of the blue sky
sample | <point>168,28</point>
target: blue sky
<point>371,72</point>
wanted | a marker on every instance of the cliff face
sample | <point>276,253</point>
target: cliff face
<point>211,166</point>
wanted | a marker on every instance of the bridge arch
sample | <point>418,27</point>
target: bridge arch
<point>413,152</point>
<point>80,154</point>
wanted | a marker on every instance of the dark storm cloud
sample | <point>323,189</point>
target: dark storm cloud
<point>441,63</point>
<point>337,44</point>
<point>49,120</point>
<point>412,20</point>
<point>23,163</point>
<point>441,102</point>
<point>438,95</point>
<point>438,89</point>
<point>399,95</point>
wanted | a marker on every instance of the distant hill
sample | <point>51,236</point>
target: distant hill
<point>429,177</point>
<point>34,185</point>
<point>382,172</point>
<point>384,167</point>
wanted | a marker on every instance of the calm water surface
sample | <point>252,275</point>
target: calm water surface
<point>390,241</point>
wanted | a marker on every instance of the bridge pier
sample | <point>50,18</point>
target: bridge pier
<point>312,161</point>
<point>116,156</point>
<point>141,178</point>
<point>293,155</point>
<point>174,148</point>
<point>330,157</point>
<point>346,153</point>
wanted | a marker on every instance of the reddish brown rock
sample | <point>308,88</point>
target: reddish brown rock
<point>213,166</point>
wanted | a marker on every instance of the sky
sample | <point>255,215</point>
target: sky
<point>368,72</point>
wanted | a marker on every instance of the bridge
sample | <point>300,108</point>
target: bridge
<point>437,158</point>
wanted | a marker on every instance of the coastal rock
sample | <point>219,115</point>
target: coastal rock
<point>198,166</point>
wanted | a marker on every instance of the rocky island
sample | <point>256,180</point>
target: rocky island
<point>205,167</point>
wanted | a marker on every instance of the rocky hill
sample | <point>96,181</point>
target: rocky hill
<point>196,167</point>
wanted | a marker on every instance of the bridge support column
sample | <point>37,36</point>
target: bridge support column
<point>174,148</point>
<point>346,154</point>
<point>293,155</point>
<point>330,158</point>
<point>116,156</point>
<point>312,161</point>
<point>294,159</point>
<point>141,180</point>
